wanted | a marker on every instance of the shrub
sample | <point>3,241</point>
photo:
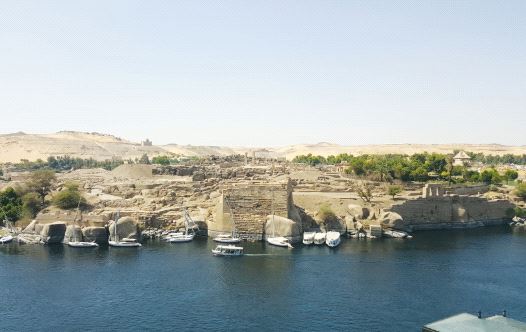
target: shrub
<point>10,205</point>
<point>31,204</point>
<point>69,197</point>
<point>394,190</point>
<point>521,190</point>
<point>326,214</point>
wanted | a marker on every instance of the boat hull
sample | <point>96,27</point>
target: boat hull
<point>319,238</point>
<point>279,242</point>
<point>124,244</point>
<point>83,244</point>
<point>6,239</point>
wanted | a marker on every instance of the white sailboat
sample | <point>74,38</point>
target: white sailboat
<point>6,239</point>
<point>121,243</point>
<point>279,241</point>
<point>308,237</point>
<point>232,237</point>
<point>180,237</point>
<point>319,237</point>
<point>332,239</point>
<point>80,244</point>
<point>227,250</point>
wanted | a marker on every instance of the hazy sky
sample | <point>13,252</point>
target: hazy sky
<point>266,72</point>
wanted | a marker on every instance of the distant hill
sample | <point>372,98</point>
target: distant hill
<point>16,146</point>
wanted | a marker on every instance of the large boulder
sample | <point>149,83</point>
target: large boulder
<point>358,212</point>
<point>97,234</point>
<point>281,226</point>
<point>126,228</point>
<point>53,232</point>
<point>390,219</point>
<point>73,233</point>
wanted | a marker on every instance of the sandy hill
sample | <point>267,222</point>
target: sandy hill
<point>14,147</point>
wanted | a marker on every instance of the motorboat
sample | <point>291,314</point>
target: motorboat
<point>279,241</point>
<point>396,234</point>
<point>81,244</point>
<point>227,250</point>
<point>308,237</point>
<point>6,239</point>
<point>319,238</point>
<point>227,238</point>
<point>332,239</point>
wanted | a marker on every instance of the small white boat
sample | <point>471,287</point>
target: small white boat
<point>180,238</point>
<point>308,237</point>
<point>319,238</point>
<point>396,234</point>
<point>279,241</point>
<point>124,244</point>
<point>6,239</point>
<point>227,250</point>
<point>227,238</point>
<point>80,244</point>
<point>332,239</point>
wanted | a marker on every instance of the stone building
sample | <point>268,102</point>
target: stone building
<point>146,142</point>
<point>461,159</point>
<point>246,207</point>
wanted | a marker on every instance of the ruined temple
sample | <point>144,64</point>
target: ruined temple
<point>247,205</point>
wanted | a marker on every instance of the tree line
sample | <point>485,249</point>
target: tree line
<point>419,167</point>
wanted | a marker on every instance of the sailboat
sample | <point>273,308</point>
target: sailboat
<point>122,243</point>
<point>279,241</point>
<point>7,238</point>
<point>229,238</point>
<point>80,244</point>
<point>186,236</point>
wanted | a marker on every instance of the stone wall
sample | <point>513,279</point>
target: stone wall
<point>248,205</point>
<point>452,212</point>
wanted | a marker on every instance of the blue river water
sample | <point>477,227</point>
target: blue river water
<point>363,285</point>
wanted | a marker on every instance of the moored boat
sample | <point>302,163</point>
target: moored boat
<point>332,239</point>
<point>227,238</point>
<point>6,239</point>
<point>227,250</point>
<point>279,241</point>
<point>180,238</point>
<point>81,244</point>
<point>319,238</point>
<point>308,237</point>
<point>124,244</point>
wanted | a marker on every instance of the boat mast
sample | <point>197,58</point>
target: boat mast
<point>272,208</point>
<point>234,232</point>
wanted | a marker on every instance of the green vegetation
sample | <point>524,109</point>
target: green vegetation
<point>69,197</point>
<point>521,190</point>
<point>31,204</point>
<point>326,214</point>
<point>498,160</point>
<point>394,190</point>
<point>490,176</point>
<point>10,205</point>
<point>41,183</point>
<point>364,191</point>
<point>144,159</point>
<point>62,163</point>
<point>419,167</point>
<point>511,175</point>
<point>161,160</point>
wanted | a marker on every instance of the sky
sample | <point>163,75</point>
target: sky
<point>266,73</point>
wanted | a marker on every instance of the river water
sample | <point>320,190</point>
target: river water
<point>363,285</point>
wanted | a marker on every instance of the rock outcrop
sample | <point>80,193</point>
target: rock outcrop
<point>390,219</point>
<point>53,232</point>
<point>126,228</point>
<point>73,233</point>
<point>97,234</point>
<point>281,226</point>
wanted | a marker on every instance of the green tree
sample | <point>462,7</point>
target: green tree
<point>144,159</point>
<point>490,176</point>
<point>511,175</point>
<point>31,204</point>
<point>69,197</point>
<point>394,190</point>
<point>41,182</point>
<point>161,160</point>
<point>10,205</point>
<point>521,190</point>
